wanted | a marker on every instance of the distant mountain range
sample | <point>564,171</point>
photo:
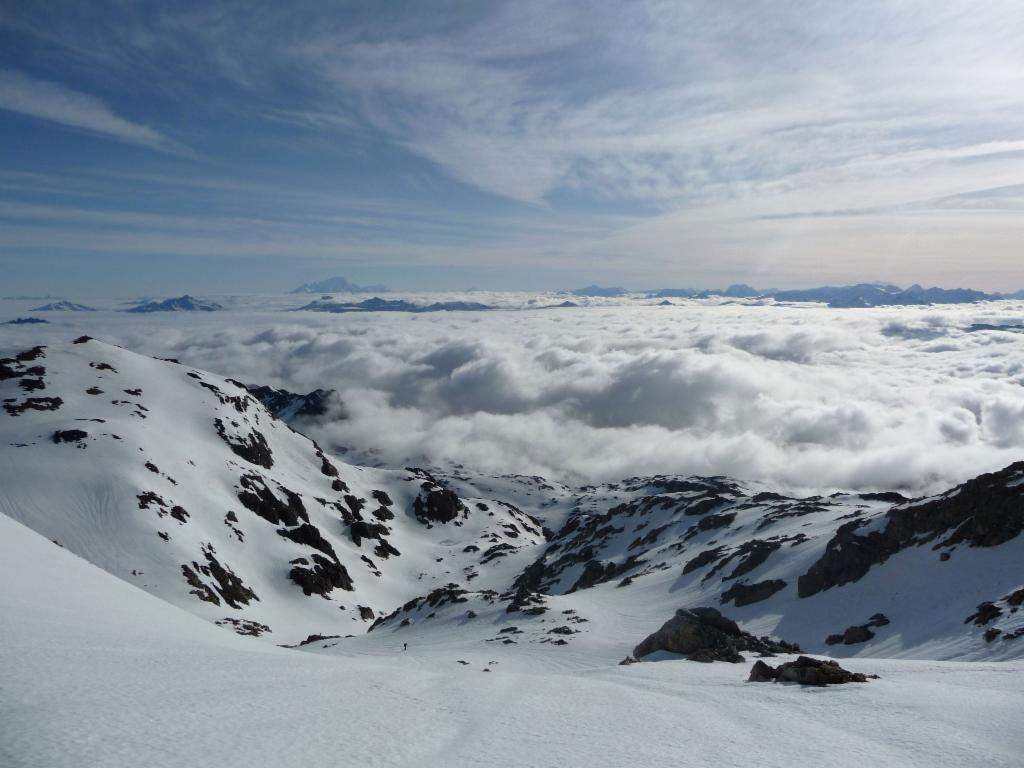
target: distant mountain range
<point>180,304</point>
<point>870,295</point>
<point>377,304</point>
<point>738,291</point>
<point>64,306</point>
<point>338,285</point>
<point>860,295</point>
<point>597,290</point>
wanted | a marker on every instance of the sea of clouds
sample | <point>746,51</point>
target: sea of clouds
<point>801,398</point>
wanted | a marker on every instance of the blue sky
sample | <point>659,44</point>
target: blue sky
<point>226,146</point>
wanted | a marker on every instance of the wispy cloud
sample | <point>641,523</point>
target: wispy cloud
<point>54,102</point>
<point>783,142</point>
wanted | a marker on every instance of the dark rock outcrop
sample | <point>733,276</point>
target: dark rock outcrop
<point>69,436</point>
<point>438,505</point>
<point>309,535</point>
<point>984,613</point>
<point>805,671</point>
<point>289,405</point>
<point>704,634</point>
<point>325,576</point>
<point>251,447</point>
<point>983,512</point>
<point>226,584</point>
<point>745,594</point>
<point>14,408</point>
<point>859,633</point>
<point>259,499</point>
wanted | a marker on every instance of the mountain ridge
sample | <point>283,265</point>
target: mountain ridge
<point>182,482</point>
<point>337,285</point>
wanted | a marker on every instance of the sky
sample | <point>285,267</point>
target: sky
<point>216,147</point>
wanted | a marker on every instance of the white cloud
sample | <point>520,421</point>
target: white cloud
<point>799,398</point>
<point>54,102</point>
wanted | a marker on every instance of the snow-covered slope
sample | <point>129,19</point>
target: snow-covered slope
<point>95,672</point>
<point>182,483</point>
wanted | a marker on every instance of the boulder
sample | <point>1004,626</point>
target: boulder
<point>851,636</point>
<point>806,671</point>
<point>762,673</point>
<point>704,634</point>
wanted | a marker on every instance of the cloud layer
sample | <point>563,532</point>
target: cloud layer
<point>799,398</point>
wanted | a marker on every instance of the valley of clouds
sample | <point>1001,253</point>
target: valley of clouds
<point>801,398</point>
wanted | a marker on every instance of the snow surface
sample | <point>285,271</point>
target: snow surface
<point>108,658</point>
<point>95,672</point>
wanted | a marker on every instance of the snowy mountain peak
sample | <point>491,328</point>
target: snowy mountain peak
<point>63,306</point>
<point>180,304</point>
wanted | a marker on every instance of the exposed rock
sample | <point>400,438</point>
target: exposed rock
<point>851,636</point>
<point>251,447</point>
<point>69,436</point>
<point>32,404</point>
<point>325,576</point>
<point>310,536</point>
<point>289,405</point>
<point>229,586</point>
<point>704,634</point>
<point>984,613</point>
<point>258,498</point>
<point>30,354</point>
<point>983,512</point>
<point>805,671</point>
<point>245,626</point>
<point>753,554</point>
<point>361,529</point>
<point>438,505</point>
<point>706,557</point>
<point>745,594</point>
<point>316,638</point>
<point>528,602</point>
<point>762,673</point>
